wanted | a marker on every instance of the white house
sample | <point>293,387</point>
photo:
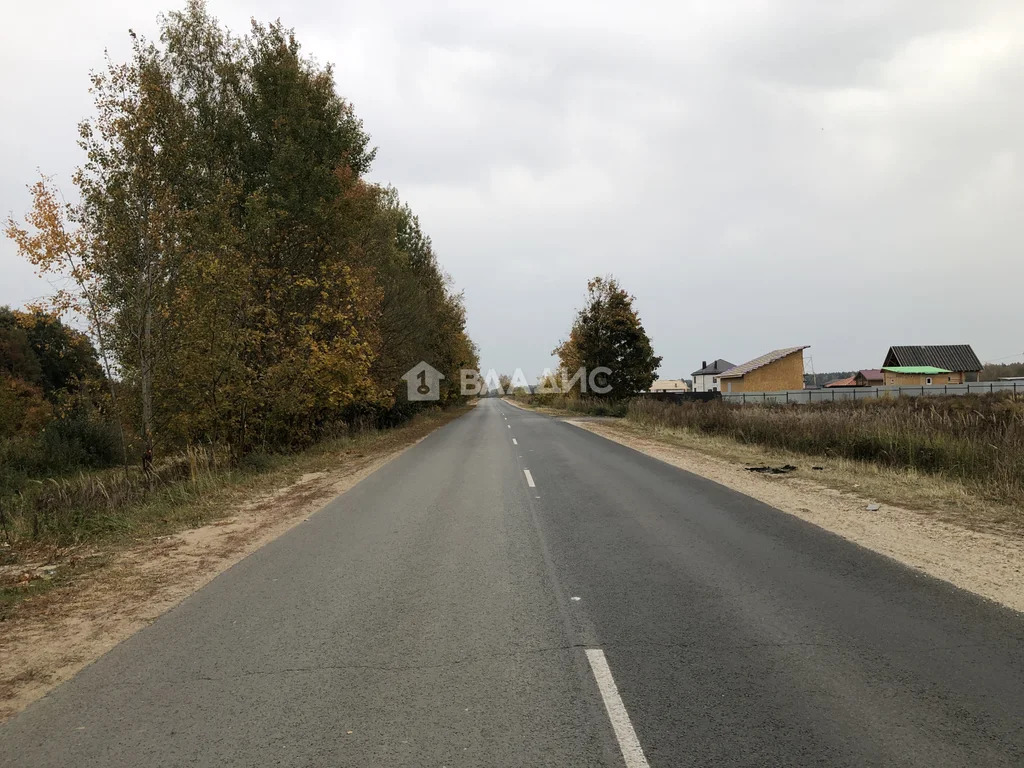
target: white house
<point>669,385</point>
<point>706,379</point>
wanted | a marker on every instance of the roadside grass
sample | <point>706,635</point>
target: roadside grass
<point>942,499</point>
<point>977,441</point>
<point>960,459</point>
<point>76,522</point>
<point>561,405</point>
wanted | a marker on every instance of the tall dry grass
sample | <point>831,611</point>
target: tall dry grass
<point>183,490</point>
<point>977,440</point>
<point>71,507</point>
<point>587,406</point>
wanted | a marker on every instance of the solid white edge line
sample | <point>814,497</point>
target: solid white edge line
<point>514,441</point>
<point>632,752</point>
<point>529,478</point>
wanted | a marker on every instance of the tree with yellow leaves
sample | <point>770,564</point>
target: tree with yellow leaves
<point>241,277</point>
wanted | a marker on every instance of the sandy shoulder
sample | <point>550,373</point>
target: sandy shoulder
<point>990,564</point>
<point>65,632</point>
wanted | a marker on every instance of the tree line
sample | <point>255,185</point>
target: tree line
<point>996,371</point>
<point>242,282</point>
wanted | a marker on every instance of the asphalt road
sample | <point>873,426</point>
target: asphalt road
<point>514,591</point>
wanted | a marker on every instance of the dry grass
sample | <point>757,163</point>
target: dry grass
<point>936,497</point>
<point>107,511</point>
<point>104,590</point>
<point>558,403</point>
<point>956,459</point>
<point>183,490</point>
<point>975,441</point>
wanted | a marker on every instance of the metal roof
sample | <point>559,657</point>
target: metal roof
<point>759,362</point>
<point>717,367</point>
<point>954,357</point>
<point>930,369</point>
<point>871,373</point>
<point>848,382</point>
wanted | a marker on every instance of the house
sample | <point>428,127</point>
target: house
<point>706,379</point>
<point>869,377</point>
<point>919,375</point>
<point>775,371</point>
<point>847,382</point>
<point>669,385</point>
<point>958,359</point>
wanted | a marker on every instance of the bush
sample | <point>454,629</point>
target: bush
<point>80,442</point>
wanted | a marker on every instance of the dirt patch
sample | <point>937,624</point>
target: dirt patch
<point>986,558</point>
<point>57,632</point>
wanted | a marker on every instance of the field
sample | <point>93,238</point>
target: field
<point>976,441</point>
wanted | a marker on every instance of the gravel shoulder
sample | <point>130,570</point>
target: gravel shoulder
<point>981,553</point>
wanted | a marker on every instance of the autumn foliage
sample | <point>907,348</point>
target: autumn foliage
<point>243,282</point>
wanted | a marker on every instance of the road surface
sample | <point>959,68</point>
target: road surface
<point>514,591</point>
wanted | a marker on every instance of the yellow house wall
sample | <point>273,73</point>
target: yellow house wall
<point>787,373</point>
<point>921,379</point>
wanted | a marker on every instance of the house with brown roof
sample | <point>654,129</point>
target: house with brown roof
<point>778,370</point>
<point>958,360</point>
<point>869,377</point>
<point>850,381</point>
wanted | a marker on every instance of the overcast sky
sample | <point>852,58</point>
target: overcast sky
<point>759,175</point>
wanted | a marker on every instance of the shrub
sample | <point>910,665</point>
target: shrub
<point>78,441</point>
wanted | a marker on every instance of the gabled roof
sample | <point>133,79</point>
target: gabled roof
<point>871,373</point>
<point>672,384</point>
<point>926,369</point>
<point>849,382</point>
<point>715,368</point>
<point>954,357</point>
<point>759,362</point>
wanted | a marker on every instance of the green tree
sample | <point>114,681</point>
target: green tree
<point>17,358</point>
<point>608,333</point>
<point>246,282</point>
<point>66,358</point>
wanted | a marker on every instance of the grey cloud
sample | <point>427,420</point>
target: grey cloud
<point>764,174</point>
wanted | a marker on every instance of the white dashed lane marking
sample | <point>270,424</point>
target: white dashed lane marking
<point>632,753</point>
<point>529,478</point>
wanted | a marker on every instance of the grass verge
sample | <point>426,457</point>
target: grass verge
<point>75,524</point>
<point>933,458</point>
